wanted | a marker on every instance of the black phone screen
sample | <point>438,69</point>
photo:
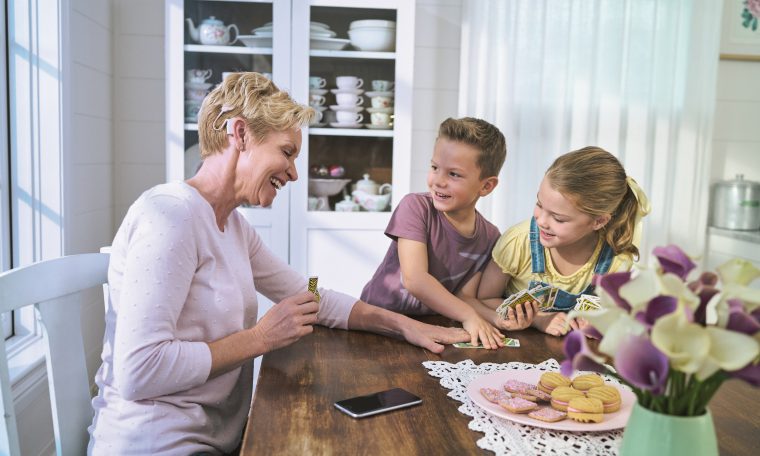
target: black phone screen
<point>373,404</point>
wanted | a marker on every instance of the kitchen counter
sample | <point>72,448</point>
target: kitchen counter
<point>749,236</point>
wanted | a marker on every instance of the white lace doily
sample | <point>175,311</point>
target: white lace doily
<point>506,437</point>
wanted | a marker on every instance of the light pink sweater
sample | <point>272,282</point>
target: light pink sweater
<point>175,283</point>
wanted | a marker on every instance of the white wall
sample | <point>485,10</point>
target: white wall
<point>736,136</point>
<point>436,79</point>
<point>138,92</point>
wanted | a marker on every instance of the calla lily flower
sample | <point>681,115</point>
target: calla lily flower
<point>673,260</point>
<point>739,320</point>
<point>685,344</point>
<point>578,356</point>
<point>729,350</point>
<point>657,307</point>
<point>618,332</point>
<point>738,271</point>
<point>750,374</point>
<point>600,319</point>
<point>641,289</point>
<point>611,283</point>
<point>640,363</point>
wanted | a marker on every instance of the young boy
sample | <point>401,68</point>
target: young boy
<point>440,242</point>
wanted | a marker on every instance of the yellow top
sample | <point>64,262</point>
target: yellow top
<point>512,254</point>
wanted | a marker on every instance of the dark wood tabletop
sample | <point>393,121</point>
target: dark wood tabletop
<point>293,412</point>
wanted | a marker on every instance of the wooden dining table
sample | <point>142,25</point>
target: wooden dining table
<point>293,413</point>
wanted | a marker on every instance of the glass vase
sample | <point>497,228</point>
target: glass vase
<point>649,433</point>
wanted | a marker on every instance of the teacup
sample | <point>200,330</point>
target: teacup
<point>317,119</point>
<point>192,108</point>
<point>349,117</point>
<point>198,76</point>
<point>348,99</point>
<point>316,100</point>
<point>381,85</point>
<point>382,102</point>
<point>315,82</point>
<point>195,94</point>
<point>381,119</point>
<point>316,204</point>
<point>349,82</point>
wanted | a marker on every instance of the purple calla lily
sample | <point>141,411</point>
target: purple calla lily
<point>656,308</point>
<point>749,373</point>
<point>673,260</point>
<point>578,356</point>
<point>611,283</point>
<point>705,295</point>
<point>739,320</point>
<point>641,364</point>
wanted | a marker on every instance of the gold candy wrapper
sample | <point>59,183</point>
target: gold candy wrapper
<point>313,286</point>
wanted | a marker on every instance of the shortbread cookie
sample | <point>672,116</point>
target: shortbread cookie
<point>585,410</point>
<point>518,405</point>
<point>547,414</point>
<point>609,395</point>
<point>494,395</point>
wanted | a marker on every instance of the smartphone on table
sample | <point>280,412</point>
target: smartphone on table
<point>372,404</point>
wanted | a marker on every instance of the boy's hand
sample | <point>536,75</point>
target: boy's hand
<point>518,317</point>
<point>478,328</point>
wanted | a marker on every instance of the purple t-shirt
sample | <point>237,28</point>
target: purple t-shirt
<point>452,258</point>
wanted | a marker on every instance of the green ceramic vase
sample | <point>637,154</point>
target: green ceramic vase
<point>648,433</point>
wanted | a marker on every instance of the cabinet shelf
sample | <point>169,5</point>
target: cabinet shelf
<point>350,132</point>
<point>209,49</point>
<point>353,54</point>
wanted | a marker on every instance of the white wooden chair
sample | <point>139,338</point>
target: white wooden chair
<point>54,287</point>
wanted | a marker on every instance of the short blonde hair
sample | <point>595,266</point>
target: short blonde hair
<point>485,137</point>
<point>252,96</point>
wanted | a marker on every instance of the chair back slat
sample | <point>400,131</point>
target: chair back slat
<point>56,287</point>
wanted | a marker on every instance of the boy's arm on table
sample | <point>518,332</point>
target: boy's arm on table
<point>375,319</point>
<point>413,258</point>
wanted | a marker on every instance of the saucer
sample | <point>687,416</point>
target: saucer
<point>198,85</point>
<point>379,127</point>
<point>379,94</point>
<point>319,108</point>
<point>347,108</point>
<point>388,110</point>
<point>317,91</point>
<point>318,125</point>
<point>353,91</point>
<point>345,125</point>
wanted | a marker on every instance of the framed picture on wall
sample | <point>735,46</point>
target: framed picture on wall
<point>740,35</point>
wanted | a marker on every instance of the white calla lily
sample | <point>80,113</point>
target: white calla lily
<point>729,350</point>
<point>750,296</point>
<point>685,344</point>
<point>738,271</point>
<point>641,289</point>
<point>672,285</point>
<point>618,333</point>
<point>600,319</point>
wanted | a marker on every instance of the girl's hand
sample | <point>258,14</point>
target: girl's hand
<point>478,328</point>
<point>554,323</point>
<point>518,317</point>
<point>287,321</point>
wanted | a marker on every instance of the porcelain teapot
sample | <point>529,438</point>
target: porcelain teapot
<point>212,31</point>
<point>367,185</point>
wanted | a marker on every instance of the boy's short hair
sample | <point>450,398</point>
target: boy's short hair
<point>482,135</point>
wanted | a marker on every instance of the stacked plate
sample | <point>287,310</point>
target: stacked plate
<point>375,35</point>
<point>262,36</point>
<point>321,37</point>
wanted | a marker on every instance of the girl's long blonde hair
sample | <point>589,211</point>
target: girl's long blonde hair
<point>596,182</point>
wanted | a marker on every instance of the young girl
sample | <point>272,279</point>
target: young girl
<point>584,224</point>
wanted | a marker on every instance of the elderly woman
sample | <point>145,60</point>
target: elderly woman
<point>181,327</point>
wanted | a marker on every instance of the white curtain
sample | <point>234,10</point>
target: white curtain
<point>636,77</point>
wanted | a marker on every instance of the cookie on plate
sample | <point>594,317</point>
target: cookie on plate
<point>516,386</point>
<point>585,410</point>
<point>547,414</point>
<point>551,380</point>
<point>494,395</point>
<point>609,395</point>
<point>518,405</point>
<point>562,395</point>
<point>539,395</point>
<point>587,381</point>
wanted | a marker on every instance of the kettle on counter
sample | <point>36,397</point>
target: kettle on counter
<point>736,204</point>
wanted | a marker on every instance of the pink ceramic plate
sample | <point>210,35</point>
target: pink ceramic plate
<point>611,421</point>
